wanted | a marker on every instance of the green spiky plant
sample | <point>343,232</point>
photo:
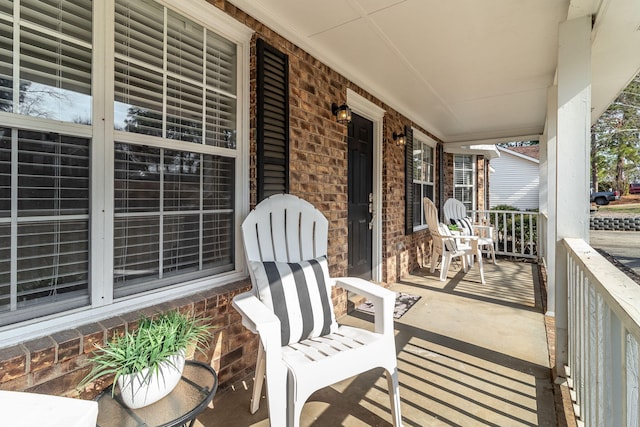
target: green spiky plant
<point>151,343</point>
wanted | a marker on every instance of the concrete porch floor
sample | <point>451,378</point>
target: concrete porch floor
<point>468,354</point>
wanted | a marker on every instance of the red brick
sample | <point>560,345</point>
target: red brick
<point>113,326</point>
<point>92,334</point>
<point>42,353</point>
<point>13,363</point>
<point>68,344</point>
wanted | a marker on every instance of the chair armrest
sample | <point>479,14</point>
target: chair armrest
<point>383,300</point>
<point>258,318</point>
<point>472,240</point>
<point>488,229</point>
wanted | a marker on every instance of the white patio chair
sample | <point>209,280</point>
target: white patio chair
<point>301,348</point>
<point>455,212</point>
<point>448,246</point>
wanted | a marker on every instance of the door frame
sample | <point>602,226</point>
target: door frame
<point>375,114</point>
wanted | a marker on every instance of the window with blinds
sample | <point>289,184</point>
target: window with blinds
<point>55,60</point>
<point>463,179</point>
<point>423,175</point>
<point>272,120</point>
<point>173,78</point>
<point>173,174</point>
<point>175,81</point>
<point>44,176</point>
<point>173,217</point>
<point>44,223</point>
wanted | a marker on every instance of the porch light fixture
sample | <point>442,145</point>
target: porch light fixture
<point>399,138</point>
<point>342,113</point>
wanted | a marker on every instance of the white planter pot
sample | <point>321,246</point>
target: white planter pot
<point>144,388</point>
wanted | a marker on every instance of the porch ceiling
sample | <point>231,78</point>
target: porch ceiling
<point>465,70</point>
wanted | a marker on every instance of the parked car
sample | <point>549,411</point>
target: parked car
<point>602,198</point>
<point>634,188</point>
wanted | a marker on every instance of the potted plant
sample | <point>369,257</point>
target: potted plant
<point>148,362</point>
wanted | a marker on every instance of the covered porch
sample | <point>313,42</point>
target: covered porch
<point>468,354</point>
<point>458,76</point>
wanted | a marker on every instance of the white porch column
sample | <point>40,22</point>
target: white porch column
<point>548,163</point>
<point>572,151</point>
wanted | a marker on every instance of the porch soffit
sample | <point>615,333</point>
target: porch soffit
<point>464,70</point>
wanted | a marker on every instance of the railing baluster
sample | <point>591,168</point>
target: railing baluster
<point>632,381</point>
<point>515,231</point>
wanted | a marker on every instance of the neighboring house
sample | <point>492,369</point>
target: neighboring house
<point>514,178</point>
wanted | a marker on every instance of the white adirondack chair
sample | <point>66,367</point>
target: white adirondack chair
<point>447,246</point>
<point>455,212</point>
<point>284,228</point>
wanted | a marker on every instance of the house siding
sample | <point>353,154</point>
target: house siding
<point>318,173</point>
<point>515,181</point>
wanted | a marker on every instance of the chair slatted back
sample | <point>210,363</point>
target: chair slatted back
<point>439,232</point>
<point>431,215</point>
<point>454,209</point>
<point>285,228</point>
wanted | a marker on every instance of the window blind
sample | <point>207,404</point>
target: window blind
<point>52,225</point>
<point>198,80</point>
<point>6,7</point>
<point>463,167</point>
<point>464,179</point>
<point>68,17</point>
<point>6,66</point>
<point>55,59</point>
<point>174,216</point>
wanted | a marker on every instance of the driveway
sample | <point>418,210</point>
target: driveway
<point>623,246</point>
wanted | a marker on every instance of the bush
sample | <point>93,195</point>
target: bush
<point>514,230</point>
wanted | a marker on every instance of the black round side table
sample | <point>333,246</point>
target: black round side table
<point>191,396</point>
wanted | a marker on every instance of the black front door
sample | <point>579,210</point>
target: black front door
<point>360,197</point>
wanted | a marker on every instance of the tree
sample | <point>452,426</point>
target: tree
<point>615,145</point>
<point>6,95</point>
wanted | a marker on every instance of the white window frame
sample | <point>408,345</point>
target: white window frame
<point>474,178</point>
<point>421,138</point>
<point>102,184</point>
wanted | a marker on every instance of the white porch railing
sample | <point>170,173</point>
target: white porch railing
<point>604,331</point>
<point>515,232</point>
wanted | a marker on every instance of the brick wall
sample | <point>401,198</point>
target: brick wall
<point>481,185</point>
<point>318,158</point>
<point>56,364</point>
<point>448,175</point>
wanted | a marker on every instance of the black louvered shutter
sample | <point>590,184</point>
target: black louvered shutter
<point>408,181</point>
<point>272,121</point>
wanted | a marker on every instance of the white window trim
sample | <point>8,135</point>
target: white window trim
<point>424,138</point>
<point>102,305</point>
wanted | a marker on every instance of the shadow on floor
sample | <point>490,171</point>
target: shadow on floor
<point>468,354</point>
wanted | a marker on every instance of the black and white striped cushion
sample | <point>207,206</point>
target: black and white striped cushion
<point>465,225</point>
<point>299,294</point>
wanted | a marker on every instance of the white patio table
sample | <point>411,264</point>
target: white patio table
<point>22,409</point>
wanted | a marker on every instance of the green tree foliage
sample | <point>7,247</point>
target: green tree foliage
<point>615,145</point>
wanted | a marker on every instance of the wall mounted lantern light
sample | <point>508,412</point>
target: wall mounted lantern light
<point>399,138</point>
<point>342,113</point>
